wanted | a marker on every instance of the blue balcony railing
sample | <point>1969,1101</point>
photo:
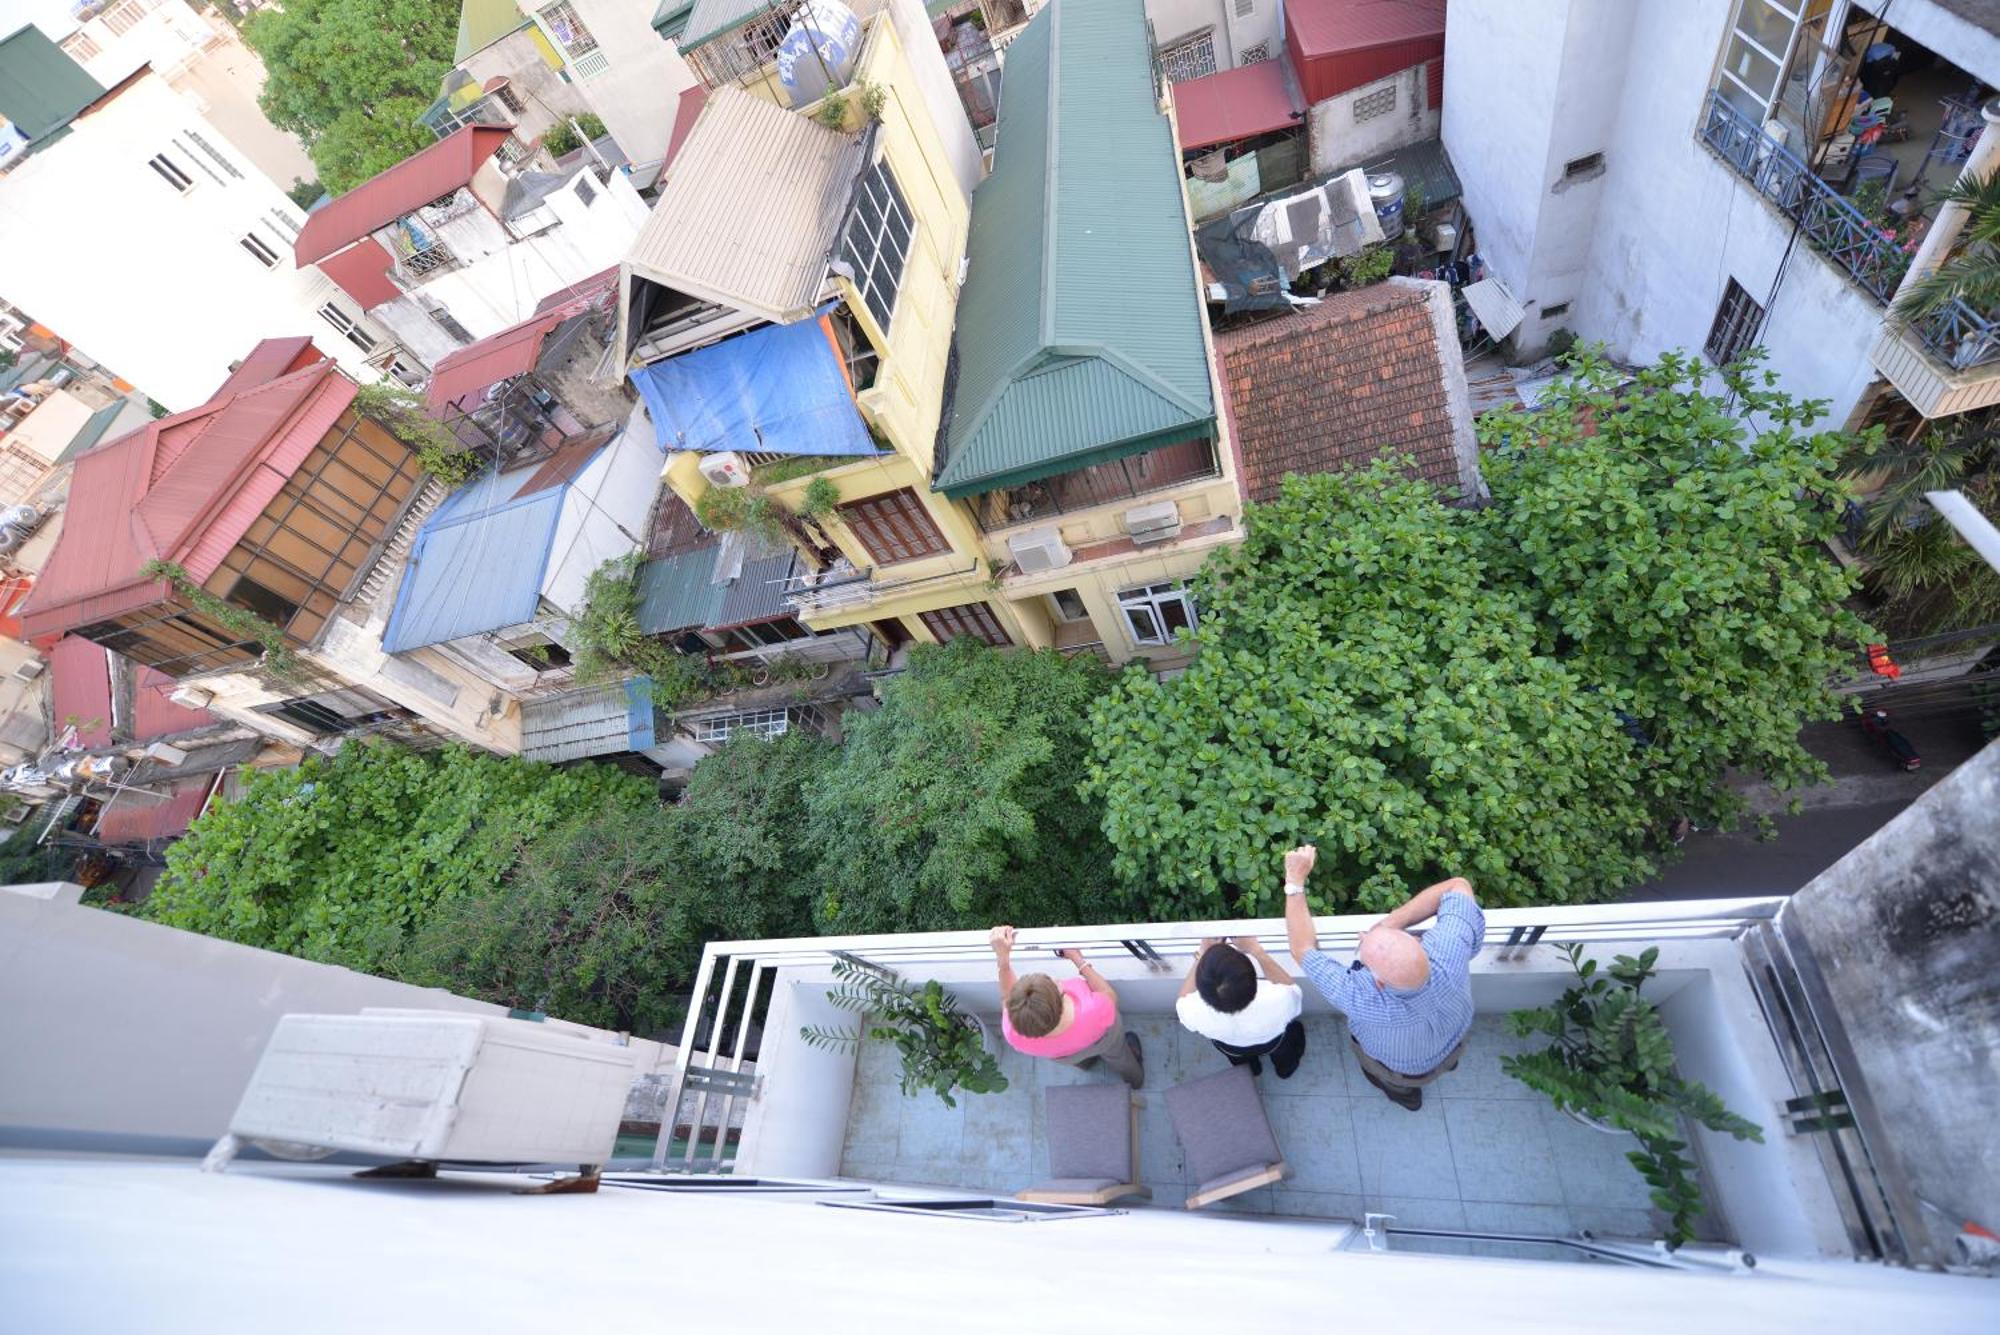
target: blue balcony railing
<point>1828,222</point>
<point>1959,336</point>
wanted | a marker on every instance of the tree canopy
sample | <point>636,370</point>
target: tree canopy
<point>1524,693</point>
<point>350,78</point>
<point>339,859</point>
<point>955,804</point>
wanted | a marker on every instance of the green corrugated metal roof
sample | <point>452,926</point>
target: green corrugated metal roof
<point>41,88</point>
<point>481,23</point>
<point>711,18</point>
<point>670,20</point>
<point>92,431</point>
<point>1080,328</point>
<point>677,592</point>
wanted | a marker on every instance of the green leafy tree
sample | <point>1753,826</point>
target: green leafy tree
<point>339,859</point>
<point>350,78</point>
<point>1927,579</point>
<point>955,804</point>
<point>603,922</point>
<point>1523,693</point>
<point>561,139</point>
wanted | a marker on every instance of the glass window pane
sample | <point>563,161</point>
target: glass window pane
<point>1175,613</point>
<point>1145,627</point>
<point>1756,71</point>
<point>1768,27</point>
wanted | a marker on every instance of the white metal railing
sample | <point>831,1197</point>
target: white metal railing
<point>1163,948</point>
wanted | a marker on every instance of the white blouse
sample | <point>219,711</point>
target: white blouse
<point>1275,1006</point>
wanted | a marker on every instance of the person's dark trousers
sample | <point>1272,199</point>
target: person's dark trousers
<point>1286,1051</point>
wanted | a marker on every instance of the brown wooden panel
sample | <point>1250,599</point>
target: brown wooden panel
<point>894,527</point>
<point>974,619</point>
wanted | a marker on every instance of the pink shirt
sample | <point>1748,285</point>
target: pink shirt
<point>1095,1014</point>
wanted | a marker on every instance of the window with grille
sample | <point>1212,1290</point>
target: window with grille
<point>348,326</point>
<point>81,47</point>
<point>584,194</point>
<point>974,619</point>
<point>1255,55</point>
<point>762,722</point>
<point>125,17</point>
<point>894,527</point>
<point>877,241</point>
<point>1155,611</point>
<point>1735,327</point>
<point>567,29</point>
<point>1189,58</point>
<point>170,172</point>
<point>510,99</point>
<point>1378,103</point>
<point>443,319</point>
<point>335,712</point>
<point>259,250</point>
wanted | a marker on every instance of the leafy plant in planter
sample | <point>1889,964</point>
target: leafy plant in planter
<point>1612,1066</point>
<point>941,1045</point>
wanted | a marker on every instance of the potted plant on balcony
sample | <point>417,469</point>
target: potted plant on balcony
<point>1611,1066</point>
<point>943,1048</point>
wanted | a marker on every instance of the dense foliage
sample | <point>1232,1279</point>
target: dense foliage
<point>561,139</point>
<point>1611,1061</point>
<point>339,859</point>
<point>350,78</point>
<point>1927,579</point>
<point>604,921</point>
<point>1523,693</point>
<point>955,804</point>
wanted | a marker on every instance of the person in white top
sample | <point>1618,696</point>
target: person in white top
<point>1245,1016</point>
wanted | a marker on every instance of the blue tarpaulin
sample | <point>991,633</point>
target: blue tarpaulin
<point>775,390</point>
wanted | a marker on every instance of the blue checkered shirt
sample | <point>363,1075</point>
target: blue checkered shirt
<point>1410,1030</point>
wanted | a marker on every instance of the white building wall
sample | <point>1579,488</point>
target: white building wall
<point>604,514</point>
<point>1335,139</point>
<point>169,36</point>
<point>926,61</point>
<point>545,96</point>
<point>1234,33</point>
<point>640,83</point>
<point>154,283</point>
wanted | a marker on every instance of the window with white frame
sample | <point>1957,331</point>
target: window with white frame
<point>877,241</point>
<point>1189,58</point>
<point>348,326</point>
<point>568,30</point>
<point>762,722</point>
<point>1763,41</point>
<point>125,17</point>
<point>171,172</point>
<point>1153,612</point>
<point>80,47</point>
<point>259,249</point>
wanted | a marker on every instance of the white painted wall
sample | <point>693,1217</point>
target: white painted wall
<point>926,61</point>
<point>545,95</point>
<point>604,514</point>
<point>151,283</point>
<point>639,89</point>
<point>1642,253</point>
<point>1335,139</point>
<point>119,1245</point>
<point>170,37</point>
<point>1174,20</point>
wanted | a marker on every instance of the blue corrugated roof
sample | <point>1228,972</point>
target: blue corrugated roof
<point>475,572</point>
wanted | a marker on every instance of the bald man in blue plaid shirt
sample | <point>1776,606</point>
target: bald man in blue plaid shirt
<point>1408,1002</point>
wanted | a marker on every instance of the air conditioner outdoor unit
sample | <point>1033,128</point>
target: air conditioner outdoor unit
<point>31,669</point>
<point>1158,522</point>
<point>1038,550</point>
<point>726,469</point>
<point>433,1085</point>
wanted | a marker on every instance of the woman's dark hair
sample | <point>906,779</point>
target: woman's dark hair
<point>1226,979</point>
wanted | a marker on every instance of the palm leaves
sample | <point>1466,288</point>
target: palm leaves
<point>1972,274</point>
<point>941,1046</point>
<point>1612,1061</point>
<point>1928,579</point>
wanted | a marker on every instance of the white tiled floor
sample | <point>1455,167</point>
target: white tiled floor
<point>1485,1152</point>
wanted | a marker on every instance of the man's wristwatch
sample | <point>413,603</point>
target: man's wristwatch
<point>1294,888</point>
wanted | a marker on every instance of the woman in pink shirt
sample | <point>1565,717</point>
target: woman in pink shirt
<point>1075,1021</point>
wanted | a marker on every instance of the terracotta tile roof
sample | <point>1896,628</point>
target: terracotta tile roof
<point>515,349</point>
<point>1337,385</point>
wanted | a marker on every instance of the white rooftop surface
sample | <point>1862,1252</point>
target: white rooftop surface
<point>120,1245</point>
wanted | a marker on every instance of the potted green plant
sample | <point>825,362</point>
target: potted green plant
<point>943,1047</point>
<point>1611,1066</point>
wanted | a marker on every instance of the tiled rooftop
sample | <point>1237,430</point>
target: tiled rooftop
<point>1485,1153</point>
<point>1337,385</point>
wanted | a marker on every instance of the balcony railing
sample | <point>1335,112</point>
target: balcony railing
<point>830,590</point>
<point>1959,336</point>
<point>1829,222</point>
<point>1100,484</point>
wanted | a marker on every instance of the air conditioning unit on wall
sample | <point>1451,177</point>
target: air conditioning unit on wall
<point>1038,550</point>
<point>1148,524</point>
<point>727,469</point>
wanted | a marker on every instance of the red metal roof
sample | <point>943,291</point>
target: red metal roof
<point>1339,45</point>
<point>693,99</point>
<point>184,489</point>
<point>362,271</point>
<point>411,183</point>
<point>1235,104</point>
<point>154,713</point>
<point>80,690</point>
<point>512,351</point>
<point>270,359</point>
<point>14,590</point>
<point>135,818</point>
